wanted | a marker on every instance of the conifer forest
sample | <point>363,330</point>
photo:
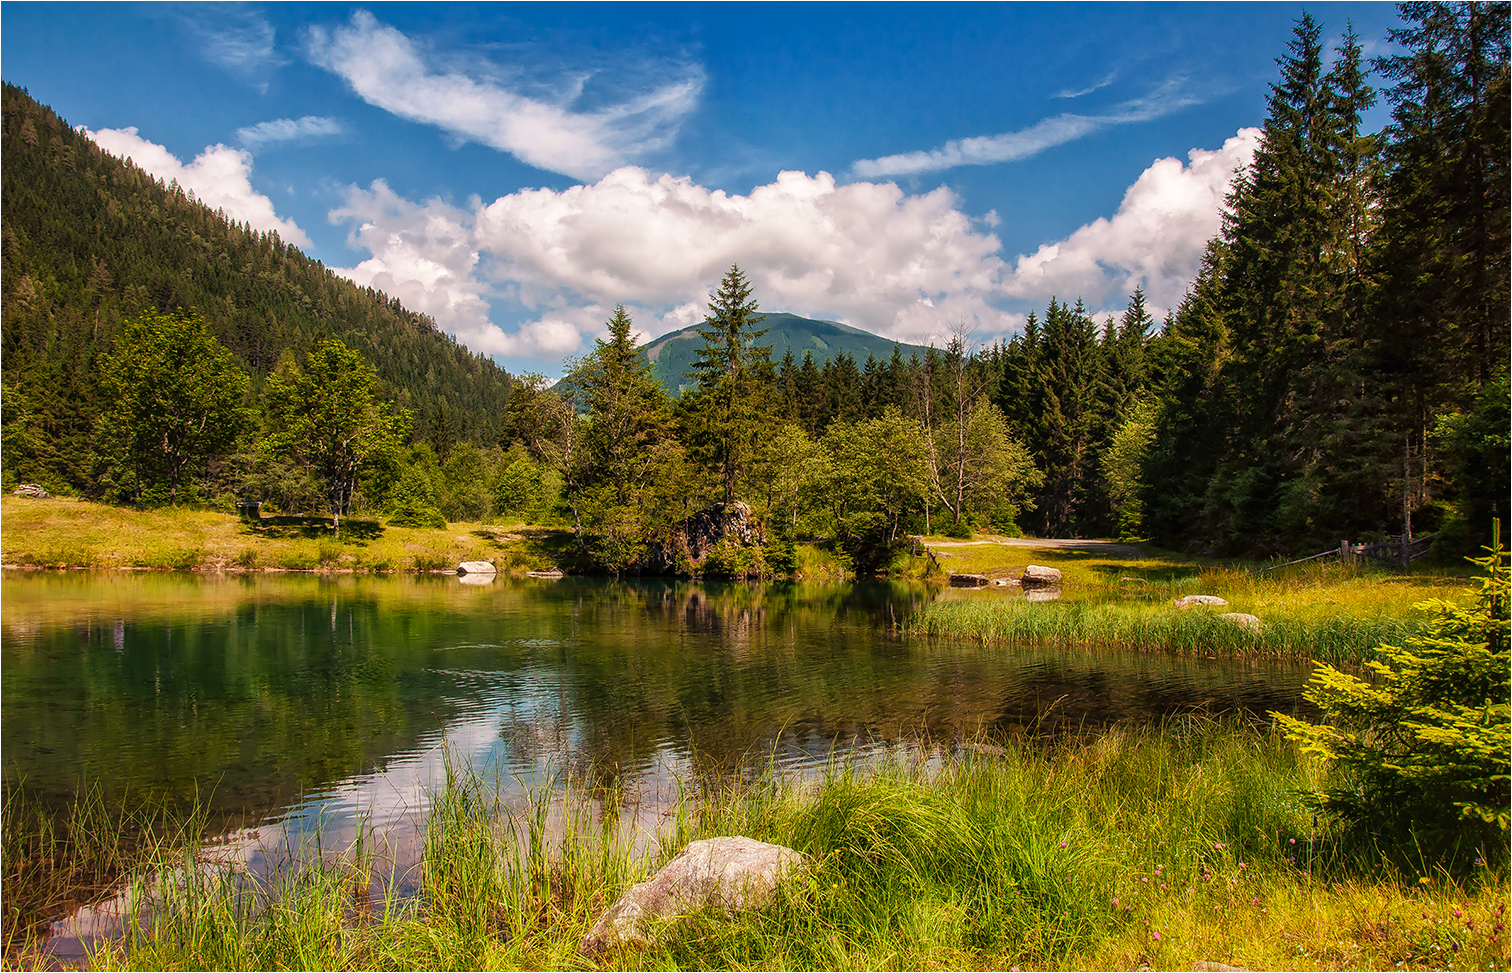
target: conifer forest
<point>1339,369</point>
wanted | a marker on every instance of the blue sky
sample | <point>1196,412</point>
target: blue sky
<point>517,170</point>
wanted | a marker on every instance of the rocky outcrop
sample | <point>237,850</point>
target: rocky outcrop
<point>692,539</point>
<point>1037,576</point>
<point>732,874</point>
<point>1190,600</point>
<point>31,490</point>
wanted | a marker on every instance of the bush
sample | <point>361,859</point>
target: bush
<point>1422,750</point>
<point>728,559</point>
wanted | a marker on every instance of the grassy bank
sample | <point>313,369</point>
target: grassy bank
<point>1123,597</point>
<point>64,533</point>
<point>1156,848</point>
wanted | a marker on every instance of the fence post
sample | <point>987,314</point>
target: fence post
<point>1345,554</point>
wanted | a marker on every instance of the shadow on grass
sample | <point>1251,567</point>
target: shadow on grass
<point>315,528</point>
<point>535,547</point>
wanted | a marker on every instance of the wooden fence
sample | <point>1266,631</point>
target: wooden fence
<point>1397,552</point>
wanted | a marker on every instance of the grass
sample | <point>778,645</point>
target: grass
<point>1129,848</point>
<point>1122,597</point>
<point>67,533</point>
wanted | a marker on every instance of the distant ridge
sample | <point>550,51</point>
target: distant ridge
<point>672,355</point>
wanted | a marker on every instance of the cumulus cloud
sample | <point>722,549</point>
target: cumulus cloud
<point>385,69</point>
<point>424,255</point>
<point>288,130</point>
<point>868,254</point>
<point>907,266</point>
<point>1044,134</point>
<point>219,177</point>
<point>1156,238</point>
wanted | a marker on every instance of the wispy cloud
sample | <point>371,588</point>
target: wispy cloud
<point>1069,93</point>
<point>230,35</point>
<point>1042,135</point>
<point>385,69</point>
<point>288,129</point>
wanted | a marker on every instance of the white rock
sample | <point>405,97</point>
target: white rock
<point>1191,600</point>
<point>733,874</point>
<point>1036,576</point>
<point>1247,622</point>
<point>476,567</point>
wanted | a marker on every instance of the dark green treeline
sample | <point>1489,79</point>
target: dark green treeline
<point>90,241</point>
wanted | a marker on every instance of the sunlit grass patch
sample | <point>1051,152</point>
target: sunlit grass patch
<point>1157,847</point>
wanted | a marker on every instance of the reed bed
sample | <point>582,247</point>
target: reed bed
<point>1156,847</point>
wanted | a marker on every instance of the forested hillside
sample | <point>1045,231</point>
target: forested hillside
<point>90,241</point>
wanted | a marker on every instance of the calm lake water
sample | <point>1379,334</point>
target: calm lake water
<point>296,703</point>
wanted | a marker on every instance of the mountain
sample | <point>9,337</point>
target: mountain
<point>90,240</point>
<point>672,355</point>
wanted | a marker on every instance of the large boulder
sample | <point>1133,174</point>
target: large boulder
<point>691,540</point>
<point>476,567</point>
<point>733,874</point>
<point>1036,576</point>
<point>969,581</point>
<point>1190,600</point>
<point>31,490</point>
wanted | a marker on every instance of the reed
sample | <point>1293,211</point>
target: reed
<point>1153,847</point>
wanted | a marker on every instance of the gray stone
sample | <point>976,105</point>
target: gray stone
<point>476,567</point>
<point>968,581</point>
<point>1190,600</point>
<point>691,540</point>
<point>555,574</point>
<point>1036,576</point>
<point>32,490</point>
<point>1247,622</point>
<point>733,874</point>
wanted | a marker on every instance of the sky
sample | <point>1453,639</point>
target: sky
<point>515,171</point>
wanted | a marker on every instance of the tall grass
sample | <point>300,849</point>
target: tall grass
<point>1129,848</point>
<point>1159,627</point>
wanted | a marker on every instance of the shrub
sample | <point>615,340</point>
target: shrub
<point>728,559</point>
<point>1423,748</point>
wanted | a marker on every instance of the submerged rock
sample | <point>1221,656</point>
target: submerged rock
<point>969,581</point>
<point>1037,576</point>
<point>733,874</point>
<point>1190,600</point>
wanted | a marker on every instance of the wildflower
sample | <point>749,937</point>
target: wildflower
<point>1424,880</point>
<point>1255,900</point>
<point>1145,879</point>
<point>1162,886</point>
<point>1458,914</point>
<point>1063,844</point>
<point>1242,865</point>
<point>1155,935</point>
<point>1480,861</point>
<point>1115,903</point>
<point>1292,840</point>
<point>1219,846</point>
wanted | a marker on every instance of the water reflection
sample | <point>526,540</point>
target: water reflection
<point>301,705</point>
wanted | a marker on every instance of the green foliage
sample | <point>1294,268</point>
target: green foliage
<point>728,559</point>
<point>1423,746</point>
<point>328,417</point>
<point>412,503</point>
<point>91,241</point>
<point>1122,470</point>
<point>174,402</point>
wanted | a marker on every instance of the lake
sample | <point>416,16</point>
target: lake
<point>299,704</point>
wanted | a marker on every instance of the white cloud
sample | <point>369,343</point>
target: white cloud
<point>232,36</point>
<point>1078,92</point>
<point>220,177</point>
<point>385,69</point>
<point>1042,135</point>
<point>910,267</point>
<point>288,129</point>
<point>1156,238</point>
<point>865,253</point>
<point>424,255</point>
